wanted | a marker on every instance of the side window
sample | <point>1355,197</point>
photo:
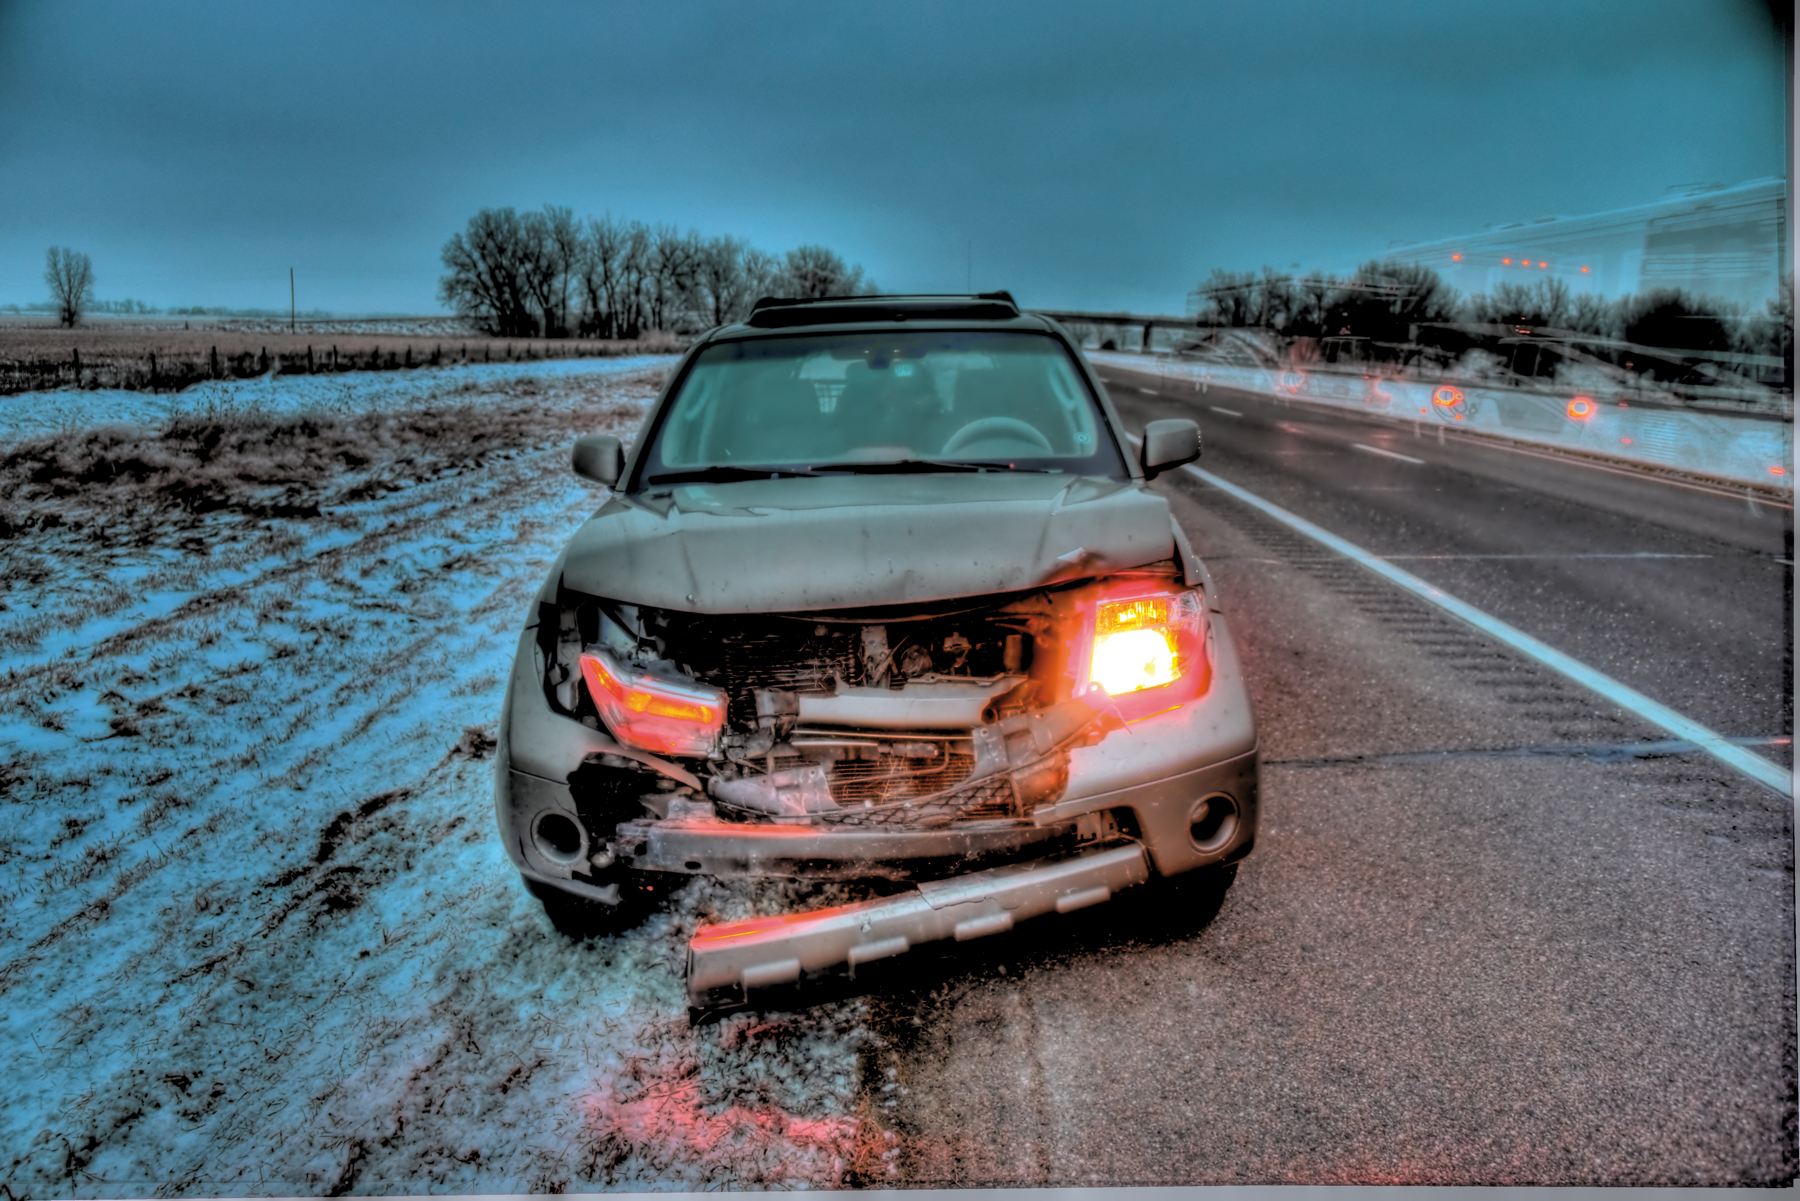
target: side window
<point>686,434</point>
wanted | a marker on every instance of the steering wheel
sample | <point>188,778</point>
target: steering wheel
<point>1005,428</point>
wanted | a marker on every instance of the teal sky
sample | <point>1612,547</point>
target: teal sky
<point>1080,154</point>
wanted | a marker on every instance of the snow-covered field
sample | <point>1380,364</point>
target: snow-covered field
<point>559,383</point>
<point>256,932</point>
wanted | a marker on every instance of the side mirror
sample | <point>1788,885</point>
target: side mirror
<point>1167,444</point>
<point>599,457</point>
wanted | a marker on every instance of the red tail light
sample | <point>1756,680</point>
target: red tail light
<point>653,712</point>
<point>1146,645</point>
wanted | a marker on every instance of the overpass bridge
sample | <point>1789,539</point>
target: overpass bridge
<point>1138,321</point>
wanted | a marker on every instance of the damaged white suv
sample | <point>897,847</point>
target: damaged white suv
<point>879,594</point>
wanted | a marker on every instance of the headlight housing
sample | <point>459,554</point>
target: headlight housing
<point>653,712</point>
<point>1146,643</point>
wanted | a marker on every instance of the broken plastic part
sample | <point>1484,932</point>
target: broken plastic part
<point>750,954</point>
<point>1030,747</point>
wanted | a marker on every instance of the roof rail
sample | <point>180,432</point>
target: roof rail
<point>773,312</point>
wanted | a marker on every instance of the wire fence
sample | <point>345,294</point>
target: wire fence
<point>136,368</point>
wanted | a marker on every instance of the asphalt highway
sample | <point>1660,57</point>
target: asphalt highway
<point>1497,928</point>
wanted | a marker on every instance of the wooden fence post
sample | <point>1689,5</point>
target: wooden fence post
<point>309,362</point>
<point>213,360</point>
<point>153,371</point>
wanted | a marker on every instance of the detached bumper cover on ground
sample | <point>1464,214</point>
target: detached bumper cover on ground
<point>731,959</point>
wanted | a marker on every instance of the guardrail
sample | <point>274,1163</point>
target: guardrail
<point>1744,450</point>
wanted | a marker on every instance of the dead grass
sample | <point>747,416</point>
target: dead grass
<point>266,465</point>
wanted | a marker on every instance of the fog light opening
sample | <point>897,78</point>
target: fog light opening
<point>559,838</point>
<point>1213,821</point>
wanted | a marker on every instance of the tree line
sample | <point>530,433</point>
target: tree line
<point>547,273</point>
<point>1404,309</point>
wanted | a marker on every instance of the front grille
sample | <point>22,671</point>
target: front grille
<point>897,791</point>
<point>797,656</point>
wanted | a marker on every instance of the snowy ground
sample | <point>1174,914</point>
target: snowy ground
<point>562,382</point>
<point>256,932</point>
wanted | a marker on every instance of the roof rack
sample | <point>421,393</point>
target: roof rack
<point>775,312</point>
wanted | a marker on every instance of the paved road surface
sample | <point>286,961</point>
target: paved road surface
<point>1492,932</point>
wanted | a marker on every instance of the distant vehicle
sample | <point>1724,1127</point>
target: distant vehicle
<point>879,594</point>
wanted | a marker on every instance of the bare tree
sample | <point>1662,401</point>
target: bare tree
<point>762,274</point>
<point>1591,314</point>
<point>724,288</point>
<point>814,271</point>
<point>673,269</point>
<point>1544,301</point>
<point>634,276</point>
<point>488,265</point>
<point>557,258</point>
<point>1226,298</point>
<point>549,242</point>
<point>70,275</point>
<point>1315,292</point>
<point>547,273</point>
<point>599,276</point>
<point>1276,299</point>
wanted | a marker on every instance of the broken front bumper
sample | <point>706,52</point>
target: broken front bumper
<point>1169,793</point>
<point>725,961</point>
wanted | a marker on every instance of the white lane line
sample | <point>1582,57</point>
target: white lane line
<point>1755,766</point>
<point>1227,412</point>
<point>1376,450</point>
<point>1149,391</point>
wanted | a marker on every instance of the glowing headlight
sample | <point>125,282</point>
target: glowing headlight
<point>1150,645</point>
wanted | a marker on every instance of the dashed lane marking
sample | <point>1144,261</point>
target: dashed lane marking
<point>1227,412</point>
<point>1386,454</point>
<point>1771,775</point>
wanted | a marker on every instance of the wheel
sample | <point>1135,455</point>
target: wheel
<point>1176,907</point>
<point>997,429</point>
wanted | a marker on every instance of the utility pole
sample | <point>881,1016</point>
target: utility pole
<point>971,265</point>
<point>290,300</point>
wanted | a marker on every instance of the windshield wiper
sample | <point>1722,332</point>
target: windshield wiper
<point>724,473</point>
<point>909,466</point>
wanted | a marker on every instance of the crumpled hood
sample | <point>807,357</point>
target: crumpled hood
<point>847,541</point>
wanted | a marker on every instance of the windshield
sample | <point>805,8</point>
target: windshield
<point>924,400</point>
